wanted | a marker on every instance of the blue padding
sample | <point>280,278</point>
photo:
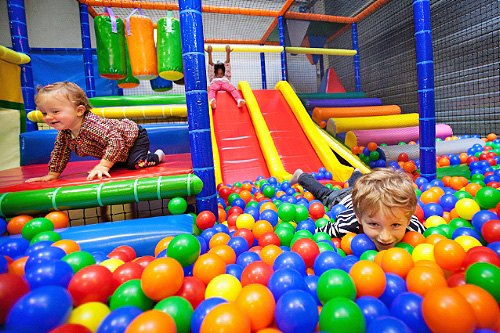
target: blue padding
<point>50,68</point>
<point>349,102</point>
<point>341,136</point>
<point>171,138</point>
<point>141,234</point>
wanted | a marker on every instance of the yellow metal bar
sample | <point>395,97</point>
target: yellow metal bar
<point>277,49</point>
<point>315,50</point>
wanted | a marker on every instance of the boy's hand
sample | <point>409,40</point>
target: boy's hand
<point>99,171</point>
<point>228,48</point>
<point>45,178</point>
<point>209,49</point>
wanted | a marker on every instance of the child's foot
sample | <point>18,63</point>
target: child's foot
<point>354,177</point>
<point>212,103</point>
<point>295,178</point>
<point>161,155</point>
<point>241,102</point>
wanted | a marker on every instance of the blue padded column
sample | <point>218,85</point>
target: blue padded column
<point>281,30</point>
<point>263,70</point>
<point>357,66</point>
<point>87,51</point>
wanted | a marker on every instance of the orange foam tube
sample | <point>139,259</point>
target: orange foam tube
<point>141,48</point>
<point>321,115</point>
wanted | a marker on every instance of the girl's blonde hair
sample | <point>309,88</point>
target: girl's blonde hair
<point>68,90</point>
<point>384,190</point>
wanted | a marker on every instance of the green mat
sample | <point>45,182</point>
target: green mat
<point>137,100</point>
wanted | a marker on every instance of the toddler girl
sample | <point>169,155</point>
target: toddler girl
<point>66,108</point>
<point>219,76</point>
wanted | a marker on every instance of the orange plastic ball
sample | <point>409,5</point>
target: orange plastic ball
<point>226,317</point>
<point>269,253</point>
<point>17,266</point>
<point>378,257</point>
<point>368,277</point>
<point>68,245</point>
<point>345,242</point>
<point>429,197</point>
<point>225,252</point>
<point>59,219</point>
<point>163,244</point>
<point>483,304</point>
<point>434,239</point>
<point>456,183</point>
<point>372,146</point>
<point>261,227</point>
<point>421,280</point>
<point>208,266</point>
<point>492,136</point>
<point>246,187</point>
<point>268,206</point>
<point>413,238</point>
<point>409,167</point>
<point>152,321</point>
<point>397,261</point>
<point>309,196</point>
<point>472,188</point>
<point>16,224</point>
<point>446,310</point>
<point>258,303</point>
<point>438,190</point>
<point>430,264</point>
<point>443,161</point>
<point>246,195</point>
<point>220,238</point>
<point>162,278</point>
<point>449,255</point>
<point>222,214</point>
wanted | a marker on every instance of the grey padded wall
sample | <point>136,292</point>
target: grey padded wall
<point>466,39</point>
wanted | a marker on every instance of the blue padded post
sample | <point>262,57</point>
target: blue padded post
<point>357,66</point>
<point>87,51</point>
<point>281,30</point>
<point>19,36</point>
<point>425,74</point>
<point>263,70</point>
<point>195,80</point>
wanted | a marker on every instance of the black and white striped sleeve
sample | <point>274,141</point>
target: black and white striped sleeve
<point>415,225</point>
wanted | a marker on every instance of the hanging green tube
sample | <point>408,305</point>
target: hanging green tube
<point>130,81</point>
<point>98,194</point>
<point>111,50</point>
<point>137,100</point>
<point>169,48</point>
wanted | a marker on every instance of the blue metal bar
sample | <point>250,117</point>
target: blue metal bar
<point>321,67</point>
<point>19,36</point>
<point>357,67</point>
<point>281,30</point>
<point>195,81</point>
<point>425,73</point>
<point>87,51</point>
<point>263,70</point>
<point>59,50</point>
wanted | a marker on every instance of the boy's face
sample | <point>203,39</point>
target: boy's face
<point>58,112</point>
<point>219,73</point>
<point>385,229</point>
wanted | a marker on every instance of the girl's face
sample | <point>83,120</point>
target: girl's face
<point>60,113</point>
<point>219,73</point>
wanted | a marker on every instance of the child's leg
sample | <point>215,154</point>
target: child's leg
<point>234,92</point>
<point>138,155</point>
<point>212,90</point>
<point>354,177</point>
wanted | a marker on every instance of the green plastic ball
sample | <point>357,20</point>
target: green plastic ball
<point>286,212</point>
<point>459,222</point>
<point>324,246</point>
<point>285,235</point>
<point>335,283</point>
<point>36,226</point>
<point>405,246</point>
<point>130,293</point>
<point>177,205</point>
<point>374,155</point>
<point>179,309</point>
<point>46,236</point>
<point>184,248</point>
<point>79,260</point>
<point>433,231</point>
<point>268,191</point>
<point>368,255</point>
<point>447,229</point>
<point>486,276</point>
<point>462,194</point>
<point>231,197</point>
<point>301,213</point>
<point>319,236</point>
<point>488,197</point>
<point>321,222</point>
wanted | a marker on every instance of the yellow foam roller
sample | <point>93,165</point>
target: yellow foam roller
<point>247,48</point>
<point>164,111</point>
<point>289,49</point>
<point>315,50</point>
<point>13,57</point>
<point>338,125</point>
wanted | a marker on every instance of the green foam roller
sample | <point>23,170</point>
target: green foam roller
<point>135,100</point>
<point>169,48</point>
<point>98,194</point>
<point>111,59</point>
<point>130,81</point>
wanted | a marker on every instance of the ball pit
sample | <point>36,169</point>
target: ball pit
<point>262,267</point>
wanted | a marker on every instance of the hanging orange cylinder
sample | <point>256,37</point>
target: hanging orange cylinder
<point>141,47</point>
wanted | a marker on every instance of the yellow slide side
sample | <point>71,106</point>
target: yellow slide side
<point>339,171</point>
<point>215,149</point>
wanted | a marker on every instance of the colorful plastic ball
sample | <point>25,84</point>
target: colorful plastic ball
<point>162,278</point>
<point>423,252</point>
<point>258,303</point>
<point>466,208</point>
<point>316,210</point>
<point>449,255</point>
<point>368,277</point>
<point>90,315</point>
<point>36,226</point>
<point>205,219</point>
<point>361,243</point>
<point>296,304</point>
<point>407,307</point>
<point>126,272</point>
<point>234,270</point>
<point>341,312</point>
<point>177,205</point>
<point>41,255</point>
<point>79,260</point>
<point>246,258</point>
<point>12,287</point>
<point>245,221</point>
<point>256,272</point>
<point>193,290</point>
<point>481,254</point>
<point>488,197</point>
<point>395,285</point>
<point>238,244</point>
<point>269,215</point>
<point>130,293</point>
<point>398,261</point>
<point>40,310</point>
<point>485,307</point>
<point>112,264</point>
<point>46,236</point>
<point>292,260</point>
<point>58,219</point>
<point>208,266</point>
<point>201,311</point>
<point>311,282</point>
<point>73,328</point>
<point>446,310</point>
<point>491,231</point>
<point>17,266</point>
<point>269,238</point>
<point>14,247</point>
<point>179,309</point>
<point>226,318</point>
<point>118,320</point>
<point>467,242</point>
<point>50,272</point>
<point>184,248</point>
<point>152,321</point>
<point>269,253</point>
<point>283,280</point>
<point>327,260</point>
<point>486,276</point>
<point>372,308</point>
<point>421,280</point>
<point>16,224</point>
<point>307,249</point>
<point>388,324</point>
<point>335,283</point>
<point>286,212</point>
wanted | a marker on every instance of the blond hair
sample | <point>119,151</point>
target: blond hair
<point>68,90</point>
<point>384,190</point>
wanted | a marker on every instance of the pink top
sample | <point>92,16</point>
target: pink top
<point>225,78</point>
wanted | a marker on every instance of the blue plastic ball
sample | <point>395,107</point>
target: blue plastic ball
<point>312,287</point>
<point>270,216</point>
<point>203,244</point>
<point>284,280</point>
<point>481,217</point>
<point>118,320</point>
<point>464,231</point>
<point>207,234</point>
<point>234,270</point>
<point>361,243</point>
<point>238,244</point>
<point>308,224</point>
<point>432,209</point>
<point>387,324</point>
<point>327,260</point>
<point>407,307</point>
<point>202,310</point>
<point>290,260</point>
<point>14,247</point>
<point>372,308</point>
<point>246,258</point>
<point>296,311</point>
<point>239,203</point>
<point>338,208</point>
<point>394,286</point>
<point>218,227</point>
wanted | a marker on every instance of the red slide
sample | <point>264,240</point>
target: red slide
<point>239,149</point>
<point>292,144</point>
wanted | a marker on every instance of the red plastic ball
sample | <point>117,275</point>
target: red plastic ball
<point>144,260</point>
<point>307,249</point>
<point>91,284</point>
<point>127,271</point>
<point>256,272</point>
<point>205,219</point>
<point>491,230</point>
<point>12,287</point>
<point>482,254</point>
<point>403,157</point>
<point>269,238</point>
<point>192,289</point>
<point>245,233</point>
<point>224,193</point>
<point>316,210</point>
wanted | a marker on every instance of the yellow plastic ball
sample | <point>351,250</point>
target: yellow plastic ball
<point>466,208</point>
<point>112,264</point>
<point>423,251</point>
<point>467,242</point>
<point>89,315</point>
<point>225,286</point>
<point>245,221</point>
<point>434,221</point>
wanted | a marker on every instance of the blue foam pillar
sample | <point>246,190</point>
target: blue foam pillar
<point>87,51</point>
<point>263,70</point>
<point>425,74</point>
<point>195,80</point>
<point>357,66</point>
<point>281,30</point>
<point>19,36</point>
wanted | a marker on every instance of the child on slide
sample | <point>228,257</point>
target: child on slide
<point>219,76</point>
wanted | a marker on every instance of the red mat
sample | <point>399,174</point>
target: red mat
<point>13,180</point>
